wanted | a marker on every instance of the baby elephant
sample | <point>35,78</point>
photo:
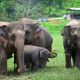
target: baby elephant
<point>36,57</point>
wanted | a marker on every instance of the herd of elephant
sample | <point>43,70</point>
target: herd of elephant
<point>32,45</point>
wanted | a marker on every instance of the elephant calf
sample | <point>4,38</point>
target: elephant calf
<point>36,56</point>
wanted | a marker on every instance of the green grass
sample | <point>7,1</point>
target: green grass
<point>55,69</point>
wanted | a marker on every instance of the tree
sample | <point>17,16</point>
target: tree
<point>8,8</point>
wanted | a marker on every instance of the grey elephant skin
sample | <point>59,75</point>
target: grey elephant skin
<point>15,35</point>
<point>3,53</point>
<point>25,31</point>
<point>33,56</point>
<point>3,59</point>
<point>36,35</point>
<point>71,41</point>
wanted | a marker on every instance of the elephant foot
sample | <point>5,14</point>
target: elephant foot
<point>42,66</point>
<point>21,70</point>
<point>34,69</point>
<point>78,66</point>
<point>3,73</point>
<point>69,66</point>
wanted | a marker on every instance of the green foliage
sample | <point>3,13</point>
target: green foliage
<point>6,10</point>
<point>29,10</point>
<point>11,10</point>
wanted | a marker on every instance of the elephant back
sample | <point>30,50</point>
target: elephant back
<point>74,23</point>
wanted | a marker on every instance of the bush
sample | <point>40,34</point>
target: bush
<point>29,10</point>
<point>7,10</point>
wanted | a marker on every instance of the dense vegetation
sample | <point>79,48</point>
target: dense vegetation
<point>14,9</point>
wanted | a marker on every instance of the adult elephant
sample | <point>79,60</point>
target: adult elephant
<point>71,41</point>
<point>36,35</point>
<point>15,36</point>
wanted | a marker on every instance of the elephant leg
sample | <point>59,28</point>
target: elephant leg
<point>67,47</point>
<point>73,58</point>
<point>35,66</point>
<point>68,60</point>
<point>28,65</point>
<point>15,63</point>
<point>42,63</point>
<point>20,68</point>
<point>3,63</point>
<point>77,60</point>
<point>27,61</point>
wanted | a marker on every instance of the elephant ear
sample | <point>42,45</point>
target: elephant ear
<point>38,32</point>
<point>34,25</point>
<point>5,28</point>
<point>66,31</point>
<point>43,55</point>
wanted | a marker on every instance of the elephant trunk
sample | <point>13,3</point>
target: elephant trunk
<point>19,44</point>
<point>53,55</point>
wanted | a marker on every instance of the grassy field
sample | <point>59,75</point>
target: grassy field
<point>55,69</point>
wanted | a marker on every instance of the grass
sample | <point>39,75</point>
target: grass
<point>55,69</point>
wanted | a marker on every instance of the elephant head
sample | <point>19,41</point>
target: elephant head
<point>45,54</point>
<point>15,36</point>
<point>71,29</point>
<point>71,32</point>
<point>31,29</point>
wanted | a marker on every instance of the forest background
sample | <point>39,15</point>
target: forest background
<point>11,10</point>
